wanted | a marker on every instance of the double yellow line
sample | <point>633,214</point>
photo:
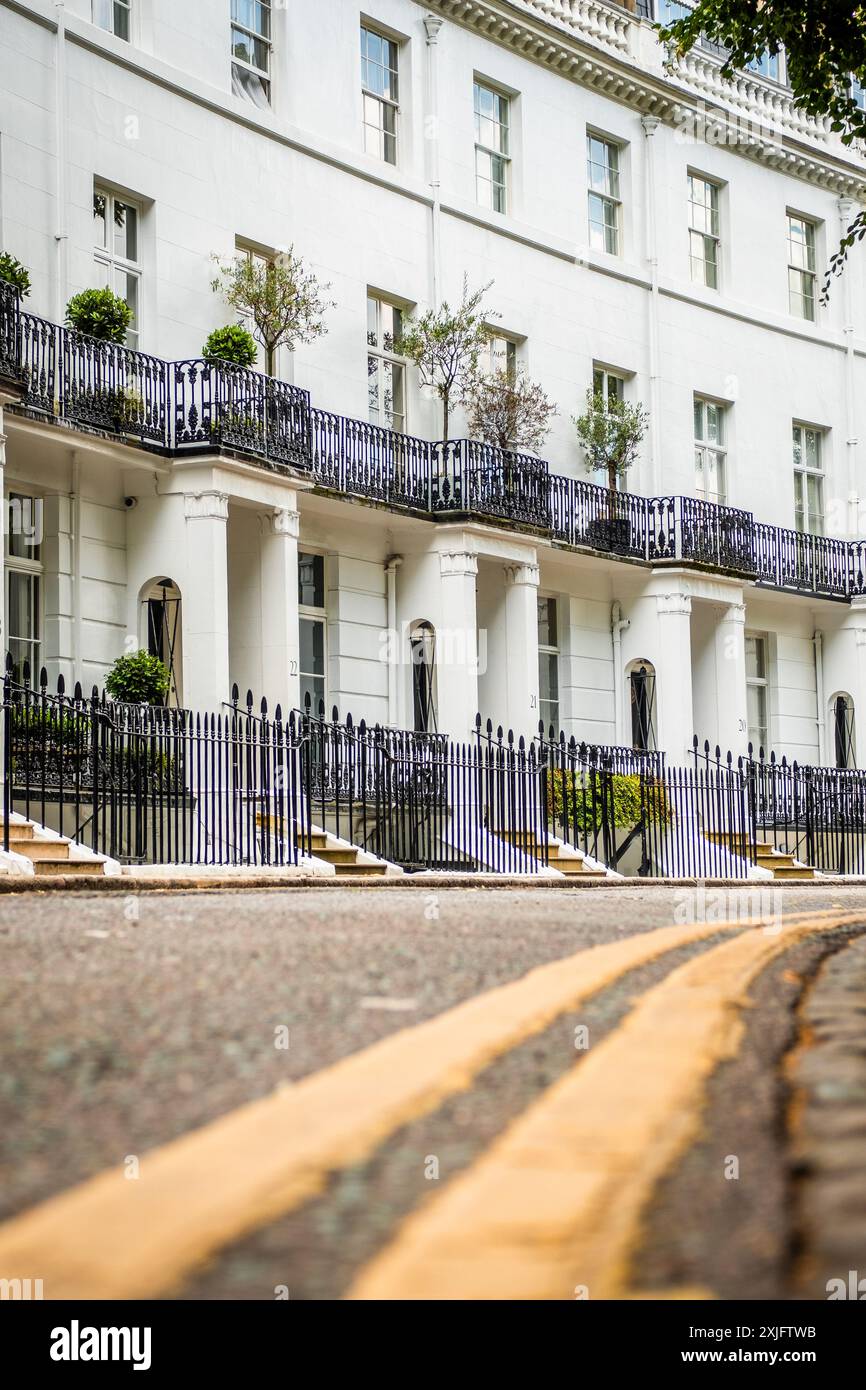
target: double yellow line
<point>627,1110</point>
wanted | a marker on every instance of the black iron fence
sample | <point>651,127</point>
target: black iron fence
<point>178,407</point>
<point>143,784</point>
<point>816,814</point>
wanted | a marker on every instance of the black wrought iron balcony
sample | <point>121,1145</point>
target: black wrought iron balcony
<point>182,407</point>
<point>173,407</point>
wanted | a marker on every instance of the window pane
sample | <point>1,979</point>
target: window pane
<point>547,633</point>
<point>755,658</point>
<point>311,580</point>
<point>23,526</point>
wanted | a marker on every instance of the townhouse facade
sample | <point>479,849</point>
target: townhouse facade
<point>655,233</point>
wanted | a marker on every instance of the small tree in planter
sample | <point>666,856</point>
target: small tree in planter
<point>610,432</point>
<point>101,314</point>
<point>445,345</point>
<point>282,299</point>
<point>138,679</point>
<point>13,273</point>
<point>509,410</point>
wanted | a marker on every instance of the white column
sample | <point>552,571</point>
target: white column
<point>521,655</point>
<point>457,645</point>
<point>205,604</point>
<point>673,695</point>
<point>281,684</point>
<point>732,724</point>
<point>393,644</point>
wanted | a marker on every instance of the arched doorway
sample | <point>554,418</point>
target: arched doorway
<point>642,698</point>
<point>161,631</point>
<point>842,724</point>
<point>422,648</point>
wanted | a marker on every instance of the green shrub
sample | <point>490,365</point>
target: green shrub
<point>14,273</point>
<point>578,798</point>
<point>138,678</point>
<point>230,344</point>
<point>101,313</point>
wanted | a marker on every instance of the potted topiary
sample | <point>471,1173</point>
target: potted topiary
<point>610,431</point>
<point>96,393</point>
<point>13,273</point>
<point>137,678</point>
<point>100,314</point>
<point>232,344</point>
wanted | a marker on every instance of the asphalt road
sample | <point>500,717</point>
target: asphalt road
<point>126,1022</point>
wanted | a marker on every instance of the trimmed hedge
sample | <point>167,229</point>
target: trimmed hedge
<point>576,799</point>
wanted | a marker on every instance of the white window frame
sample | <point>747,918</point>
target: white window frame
<point>498,199</point>
<point>608,383</point>
<point>115,267</point>
<point>386,104</point>
<point>760,684</point>
<point>499,354</point>
<point>112,12</point>
<point>389,364</point>
<point>546,649</point>
<point>808,517</point>
<point>312,614</point>
<point>33,569</point>
<point>711,456</point>
<point>802,263</point>
<point>778,57</point>
<point>704,268</point>
<point>605,233</point>
<point>255,36</point>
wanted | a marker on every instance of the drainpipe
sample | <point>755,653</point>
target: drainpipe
<point>818,643</point>
<point>650,126</point>
<point>432,25</point>
<point>391,566</point>
<point>61,235</point>
<point>617,623</point>
<point>847,210</point>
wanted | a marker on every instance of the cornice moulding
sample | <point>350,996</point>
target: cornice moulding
<point>599,46</point>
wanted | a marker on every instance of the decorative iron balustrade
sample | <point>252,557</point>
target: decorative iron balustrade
<point>150,785</point>
<point>191,405</point>
<point>816,814</point>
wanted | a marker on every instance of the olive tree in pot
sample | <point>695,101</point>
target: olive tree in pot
<point>445,345</point>
<point>610,432</point>
<point>281,299</point>
<point>509,410</point>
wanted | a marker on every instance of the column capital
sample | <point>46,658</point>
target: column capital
<point>457,562</point>
<point>206,506</point>
<point>735,613</point>
<point>283,521</point>
<point>650,124</point>
<point>522,572</point>
<point>676,604</point>
<point>432,25</point>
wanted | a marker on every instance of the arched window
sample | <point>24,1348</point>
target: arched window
<point>642,698</point>
<point>422,646</point>
<point>161,631</point>
<point>842,724</point>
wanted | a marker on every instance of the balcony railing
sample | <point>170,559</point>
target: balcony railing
<point>182,407</point>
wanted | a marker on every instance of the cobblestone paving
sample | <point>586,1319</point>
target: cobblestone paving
<point>830,1128</point>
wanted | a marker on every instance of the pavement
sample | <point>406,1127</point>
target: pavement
<point>456,1093</point>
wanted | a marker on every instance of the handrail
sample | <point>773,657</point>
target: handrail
<point>193,405</point>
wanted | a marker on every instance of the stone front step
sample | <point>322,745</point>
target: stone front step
<point>49,857</point>
<point>556,859</point>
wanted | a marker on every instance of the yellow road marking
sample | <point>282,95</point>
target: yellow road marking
<point>110,1237</point>
<point>553,1207</point>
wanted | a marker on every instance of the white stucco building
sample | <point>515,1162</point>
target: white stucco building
<point>665,230</point>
